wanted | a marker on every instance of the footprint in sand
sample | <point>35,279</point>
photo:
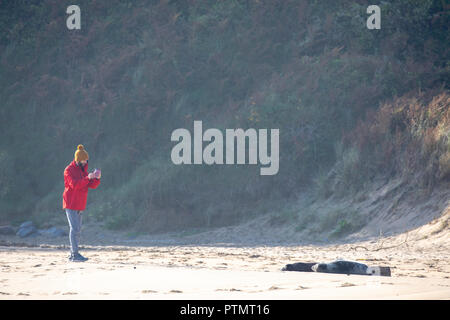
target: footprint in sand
<point>347,284</point>
<point>275,288</point>
<point>175,291</point>
<point>220,268</point>
<point>302,288</point>
<point>150,291</point>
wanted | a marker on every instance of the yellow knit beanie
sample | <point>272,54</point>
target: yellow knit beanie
<point>81,154</point>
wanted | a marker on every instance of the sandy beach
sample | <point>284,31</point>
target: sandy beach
<point>150,269</point>
<point>211,273</point>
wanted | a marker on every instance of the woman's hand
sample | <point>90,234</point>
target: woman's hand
<point>98,173</point>
<point>91,175</point>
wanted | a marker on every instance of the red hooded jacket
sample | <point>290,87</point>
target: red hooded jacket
<point>76,184</point>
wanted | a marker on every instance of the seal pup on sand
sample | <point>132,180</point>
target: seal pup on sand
<point>350,267</point>
<point>339,266</point>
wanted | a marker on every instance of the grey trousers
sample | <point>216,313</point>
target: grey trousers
<point>74,218</point>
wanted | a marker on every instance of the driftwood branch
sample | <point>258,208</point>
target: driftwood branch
<point>381,246</point>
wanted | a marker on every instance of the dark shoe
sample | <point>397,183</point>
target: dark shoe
<point>78,258</point>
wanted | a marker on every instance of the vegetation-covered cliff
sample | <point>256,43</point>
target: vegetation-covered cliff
<point>351,104</point>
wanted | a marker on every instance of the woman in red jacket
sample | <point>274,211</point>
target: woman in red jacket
<point>77,181</point>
